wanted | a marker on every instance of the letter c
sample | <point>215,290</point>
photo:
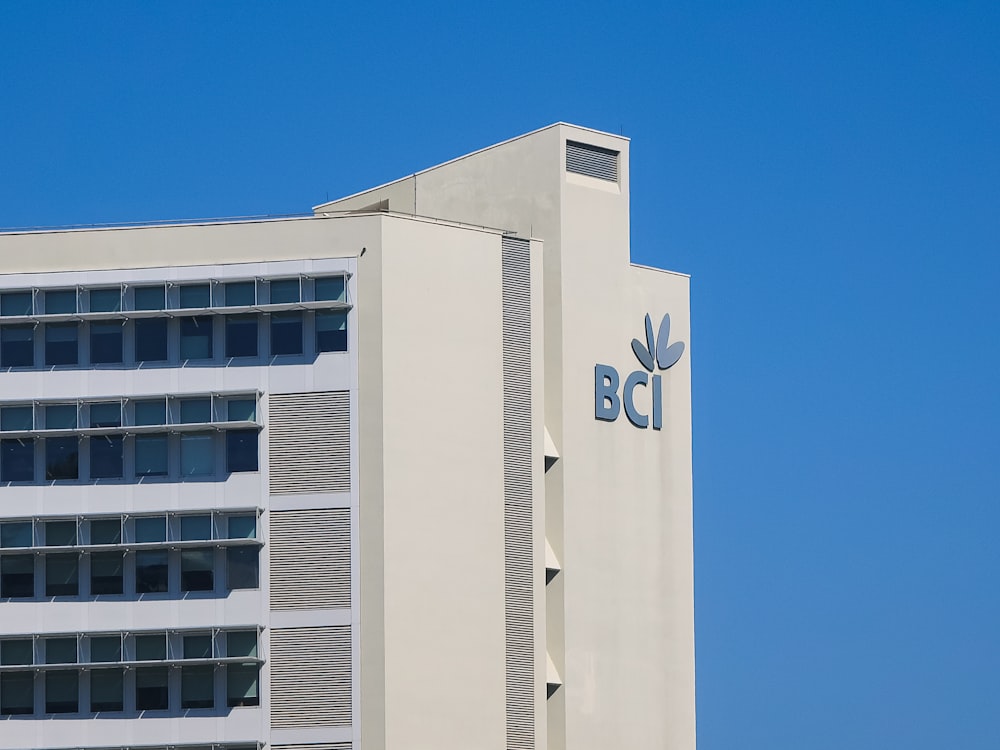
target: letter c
<point>636,378</point>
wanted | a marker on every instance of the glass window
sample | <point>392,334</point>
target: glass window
<point>151,455</point>
<point>61,345</point>
<point>150,297</point>
<point>330,288</point>
<point>107,414</point>
<point>151,340</point>
<point>17,651</point>
<point>60,651</point>
<point>17,693</point>
<point>241,450</point>
<point>286,333</point>
<point>15,303</point>
<point>284,291</point>
<point>196,410</point>
<point>106,342</point>
<point>241,410</point>
<point>196,338</point>
<point>151,412</point>
<point>151,529</point>
<point>62,458</point>
<point>331,331</point>
<point>196,528</point>
<point>150,571</point>
<point>16,418</point>
<point>197,569</point>
<point>17,346</point>
<point>60,533</point>
<point>197,455</point>
<point>196,295</point>
<point>241,643</point>
<point>151,689</point>
<point>106,531</point>
<point>15,534</point>
<point>62,575</point>
<point>106,300</point>
<point>105,648</point>
<point>107,573</point>
<point>242,527</point>
<point>60,301</point>
<point>241,685</point>
<point>17,460</point>
<point>107,690</point>
<point>198,646</point>
<point>240,294</point>
<point>17,576</point>
<point>106,457</point>
<point>62,691</point>
<point>61,417</point>
<point>242,568</point>
<point>241,336</point>
<point>151,647</point>
<point>198,687</point>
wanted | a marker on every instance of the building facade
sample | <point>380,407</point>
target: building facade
<point>411,471</point>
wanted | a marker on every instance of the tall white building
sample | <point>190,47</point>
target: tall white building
<point>411,472</point>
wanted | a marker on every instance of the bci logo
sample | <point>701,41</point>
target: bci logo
<point>607,403</point>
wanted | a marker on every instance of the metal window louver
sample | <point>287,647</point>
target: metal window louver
<point>310,558</point>
<point>592,161</point>
<point>309,442</point>
<point>310,677</point>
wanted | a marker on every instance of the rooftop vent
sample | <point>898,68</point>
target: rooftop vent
<point>592,161</point>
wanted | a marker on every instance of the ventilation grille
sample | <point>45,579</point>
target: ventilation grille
<point>310,442</point>
<point>593,161</point>
<point>310,678</point>
<point>517,425</point>
<point>310,558</point>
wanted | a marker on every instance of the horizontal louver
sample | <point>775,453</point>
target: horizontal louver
<point>593,161</point>
<point>310,677</point>
<point>310,554</point>
<point>309,442</point>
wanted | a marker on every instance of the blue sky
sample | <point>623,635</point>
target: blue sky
<point>829,173</point>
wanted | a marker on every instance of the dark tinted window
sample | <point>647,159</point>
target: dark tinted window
<point>242,568</point>
<point>62,575</point>
<point>17,346</point>
<point>62,690</point>
<point>16,418</point>
<point>195,410</point>
<point>241,336</point>
<point>150,571</point>
<point>17,576</point>
<point>330,288</point>
<point>61,345</point>
<point>241,450</point>
<point>285,290</point>
<point>106,456</point>
<point>61,417</point>
<point>106,572</point>
<point>106,342</point>
<point>17,693</point>
<point>151,340</point>
<point>15,534</point>
<point>60,301</point>
<point>196,338</point>
<point>62,458</point>
<point>151,689</point>
<point>196,295</point>
<point>15,303</point>
<point>331,331</point>
<point>60,533</point>
<point>106,415</point>
<point>107,689</point>
<point>150,298</point>
<point>240,293</point>
<point>106,300</point>
<point>286,333</point>
<point>106,531</point>
<point>197,569</point>
<point>151,455</point>
<point>17,460</point>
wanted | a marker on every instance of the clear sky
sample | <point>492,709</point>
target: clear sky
<point>828,173</point>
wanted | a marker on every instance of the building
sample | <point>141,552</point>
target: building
<point>413,471</point>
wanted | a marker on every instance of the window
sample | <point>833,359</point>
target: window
<point>330,288</point>
<point>107,690</point>
<point>106,342</point>
<point>60,651</point>
<point>286,333</point>
<point>17,693</point>
<point>241,679</point>
<point>151,571</point>
<point>241,410</point>
<point>60,301</point>
<point>106,531</point>
<point>61,417</point>
<point>17,576</point>
<point>242,568</point>
<point>150,298</point>
<point>62,575</point>
<point>17,346</point>
<point>106,573</point>
<point>105,648</point>
<point>151,529</point>
<point>198,687</point>
<point>196,295</point>
<point>61,344</point>
<point>241,336</point>
<point>198,646</point>
<point>151,455</point>
<point>151,689</point>
<point>240,294</point>
<point>17,651</point>
<point>196,338</point>
<point>196,410</point>
<point>17,460</point>
<point>197,569</point>
<point>15,303</point>
<point>108,414</point>
<point>197,454</point>
<point>151,340</point>
<point>241,450</point>
<point>62,458</point>
<point>151,647</point>
<point>242,527</point>
<point>196,528</point>
<point>60,533</point>
<point>331,331</point>
<point>151,412</point>
<point>16,418</point>
<point>62,691</point>
<point>106,300</point>
<point>16,534</point>
<point>106,456</point>
<point>284,291</point>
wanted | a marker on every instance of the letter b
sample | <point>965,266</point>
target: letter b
<point>606,401</point>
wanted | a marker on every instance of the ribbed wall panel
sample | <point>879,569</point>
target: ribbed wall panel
<point>310,677</point>
<point>309,442</point>
<point>593,161</point>
<point>310,554</point>
<point>518,539</point>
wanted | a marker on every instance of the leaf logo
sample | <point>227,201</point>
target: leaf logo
<point>667,354</point>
